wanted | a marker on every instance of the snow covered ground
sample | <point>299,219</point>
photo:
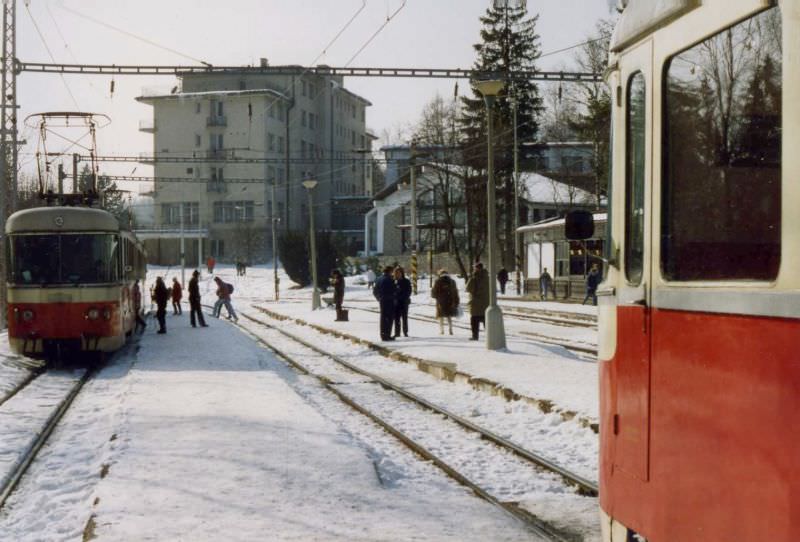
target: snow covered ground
<point>201,434</point>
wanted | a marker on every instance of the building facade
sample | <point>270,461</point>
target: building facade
<point>230,153</point>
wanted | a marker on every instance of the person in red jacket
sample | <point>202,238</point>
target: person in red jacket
<point>177,295</point>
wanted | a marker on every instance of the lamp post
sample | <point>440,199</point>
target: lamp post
<point>414,238</point>
<point>495,332</point>
<point>310,184</point>
<point>517,248</point>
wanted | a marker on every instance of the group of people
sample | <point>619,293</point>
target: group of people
<point>593,280</point>
<point>161,295</point>
<point>393,292</point>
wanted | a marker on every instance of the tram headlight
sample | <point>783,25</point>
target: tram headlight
<point>92,314</point>
<point>27,315</point>
<point>107,313</point>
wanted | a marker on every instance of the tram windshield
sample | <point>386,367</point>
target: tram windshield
<point>63,259</point>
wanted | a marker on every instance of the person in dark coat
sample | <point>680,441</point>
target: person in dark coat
<point>402,301</point>
<point>592,280</point>
<point>337,282</point>
<point>161,297</point>
<point>194,301</point>
<point>177,295</point>
<point>384,292</point>
<point>502,278</point>
<point>478,288</point>
<point>545,284</point>
<point>445,292</point>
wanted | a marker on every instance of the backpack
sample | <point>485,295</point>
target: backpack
<point>229,287</point>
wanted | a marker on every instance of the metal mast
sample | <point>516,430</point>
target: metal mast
<point>8,135</point>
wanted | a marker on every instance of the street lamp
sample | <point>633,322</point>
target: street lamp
<point>310,184</point>
<point>495,332</point>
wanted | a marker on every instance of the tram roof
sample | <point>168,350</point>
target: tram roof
<point>642,17</point>
<point>58,219</point>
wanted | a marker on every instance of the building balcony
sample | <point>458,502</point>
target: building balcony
<point>217,154</point>
<point>147,157</point>
<point>217,120</point>
<point>147,125</point>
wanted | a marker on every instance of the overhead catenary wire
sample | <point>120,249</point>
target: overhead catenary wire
<point>131,34</point>
<point>378,31</point>
<point>50,53</point>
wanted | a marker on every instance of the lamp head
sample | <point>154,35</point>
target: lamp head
<point>310,184</point>
<point>491,87</point>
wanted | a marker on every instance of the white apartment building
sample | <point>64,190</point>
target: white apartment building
<point>230,152</point>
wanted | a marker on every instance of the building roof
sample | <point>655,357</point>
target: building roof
<point>537,188</point>
<point>599,218</point>
<point>212,93</point>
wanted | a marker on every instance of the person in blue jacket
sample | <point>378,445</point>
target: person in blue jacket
<point>384,291</point>
<point>593,279</point>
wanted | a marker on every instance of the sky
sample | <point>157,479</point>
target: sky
<point>422,33</point>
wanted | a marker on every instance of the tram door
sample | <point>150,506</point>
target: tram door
<point>631,423</point>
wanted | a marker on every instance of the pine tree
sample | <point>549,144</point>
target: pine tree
<point>509,43</point>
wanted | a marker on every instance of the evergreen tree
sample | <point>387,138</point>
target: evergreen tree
<point>509,43</point>
<point>111,198</point>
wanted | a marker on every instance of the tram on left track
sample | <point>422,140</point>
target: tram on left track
<point>70,277</point>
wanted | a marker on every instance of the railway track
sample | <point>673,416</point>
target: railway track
<point>494,468</point>
<point>581,349</point>
<point>28,417</point>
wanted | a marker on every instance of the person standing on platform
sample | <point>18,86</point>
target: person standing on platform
<point>210,263</point>
<point>161,296</point>
<point>445,292</point>
<point>194,301</point>
<point>370,278</point>
<point>177,295</point>
<point>545,283</point>
<point>592,281</point>
<point>384,292</point>
<point>402,301</point>
<point>137,306</point>
<point>478,289</point>
<point>337,281</point>
<point>502,278</point>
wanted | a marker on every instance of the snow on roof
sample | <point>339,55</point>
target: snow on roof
<point>599,218</point>
<point>537,188</point>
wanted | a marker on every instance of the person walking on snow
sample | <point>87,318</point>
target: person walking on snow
<point>194,301</point>
<point>402,301</point>
<point>384,292</point>
<point>478,289</point>
<point>161,296</point>
<point>177,295</point>
<point>545,283</point>
<point>224,291</point>
<point>502,278</point>
<point>592,280</point>
<point>210,263</point>
<point>445,292</point>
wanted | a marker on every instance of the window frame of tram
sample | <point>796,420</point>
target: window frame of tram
<point>721,201</point>
<point>635,172</point>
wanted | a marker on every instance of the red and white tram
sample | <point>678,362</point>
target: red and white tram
<point>71,272</point>
<point>699,314</point>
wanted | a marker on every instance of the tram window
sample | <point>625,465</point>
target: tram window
<point>635,178</point>
<point>721,196</point>
<point>33,259</point>
<point>89,258</point>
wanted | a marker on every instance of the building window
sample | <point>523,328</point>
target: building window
<point>271,142</point>
<point>304,88</point>
<point>226,212</point>
<point>218,248</point>
<point>270,174</point>
<point>303,149</point>
<point>198,107</point>
<point>280,144</point>
<point>189,170</point>
<point>303,118</point>
<point>197,140</point>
